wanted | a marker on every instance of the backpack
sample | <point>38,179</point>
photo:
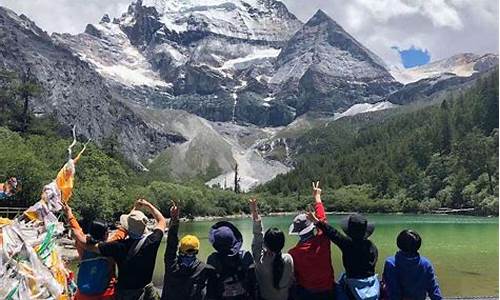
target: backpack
<point>94,274</point>
<point>234,277</point>
<point>360,289</point>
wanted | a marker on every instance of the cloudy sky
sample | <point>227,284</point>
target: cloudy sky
<point>433,28</point>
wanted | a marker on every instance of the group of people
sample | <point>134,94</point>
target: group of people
<point>266,272</point>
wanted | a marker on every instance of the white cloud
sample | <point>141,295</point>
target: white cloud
<point>444,27</point>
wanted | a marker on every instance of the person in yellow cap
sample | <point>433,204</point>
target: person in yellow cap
<point>185,275</point>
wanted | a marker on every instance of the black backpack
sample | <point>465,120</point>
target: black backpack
<point>235,275</point>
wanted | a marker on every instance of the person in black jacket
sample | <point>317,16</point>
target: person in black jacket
<point>234,277</point>
<point>359,254</point>
<point>185,275</point>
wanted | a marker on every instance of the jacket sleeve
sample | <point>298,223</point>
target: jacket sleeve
<point>319,210</point>
<point>391,281</point>
<point>212,282</point>
<point>333,234</point>
<point>432,284</point>
<point>172,244</point>
<point>257,241</point>
<point>119,234</point>
<point>75,226</point>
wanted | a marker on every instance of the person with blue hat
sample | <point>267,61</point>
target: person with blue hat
<point>234,271</point>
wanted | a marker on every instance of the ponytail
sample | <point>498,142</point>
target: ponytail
<point>278,269</point>
<point>274,240</point>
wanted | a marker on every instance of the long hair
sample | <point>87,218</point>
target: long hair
<point>274,240</point>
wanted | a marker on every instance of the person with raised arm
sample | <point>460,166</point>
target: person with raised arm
<point>408,275</point>
<point>312,255</point>
<point>274,269</point>
<point>96,273</point>
<point>359,256</point>
<point>135,255</point>
<point>185,275</point>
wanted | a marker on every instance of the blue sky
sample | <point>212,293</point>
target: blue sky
<point>413,57</point>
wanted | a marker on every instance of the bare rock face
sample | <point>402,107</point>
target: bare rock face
<point>236,63</point>
<point>72,91</point>
<point>242,61</point>
<point>323,68</point>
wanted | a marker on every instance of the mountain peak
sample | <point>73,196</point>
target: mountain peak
<point>321,16</point>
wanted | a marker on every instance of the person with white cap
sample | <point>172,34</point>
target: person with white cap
<point>312,256</point>
<point>135,255</point>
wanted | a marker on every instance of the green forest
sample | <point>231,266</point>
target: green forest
<point>445,155</point>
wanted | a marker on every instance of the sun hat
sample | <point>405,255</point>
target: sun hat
<point>357,226</point>
<point>135,223</point>
<point>225,238</point>
<point>189,243</point>
<point>301,225</point>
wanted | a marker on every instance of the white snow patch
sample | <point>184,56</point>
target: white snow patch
<point>257,54</point>
<point>253,169</point>
<point>364,108</point>
<point>461,65</point>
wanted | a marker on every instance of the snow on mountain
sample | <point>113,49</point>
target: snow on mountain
<point>462,65</point>
<point>323,40</point>
<point>253,167</point>
<point>266,20</point>
<point>250,58</point>
<point>109,50</point>
<point>362,108</point>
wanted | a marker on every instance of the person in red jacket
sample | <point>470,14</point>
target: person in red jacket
<point>312,255</point>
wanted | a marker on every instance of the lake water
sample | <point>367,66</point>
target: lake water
<point>463,249</point>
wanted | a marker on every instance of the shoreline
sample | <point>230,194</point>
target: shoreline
<point>338,213</point>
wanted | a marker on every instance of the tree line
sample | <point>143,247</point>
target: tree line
<point>440,156</point>
<point>444,155</point>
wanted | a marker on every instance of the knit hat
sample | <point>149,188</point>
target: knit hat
<point>301,225</point>
<point>356,226</point>
<point>189,243</point>
<point>225,238</point>
<point>134,223</point>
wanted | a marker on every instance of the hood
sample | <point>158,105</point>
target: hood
<point>406,261</point>
<point>236,244</point>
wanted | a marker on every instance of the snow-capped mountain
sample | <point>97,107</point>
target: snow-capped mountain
<point>231,60</point>
<point>205,84</point>
<point>324,68</point>
<point>462,65</point>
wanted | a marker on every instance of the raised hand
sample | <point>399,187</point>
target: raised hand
<point>316,191</point>
<point>174,212</point>
<point>253,208</point>
<point>67,209</point>
<point>141,203</point>
<point>311,216</point>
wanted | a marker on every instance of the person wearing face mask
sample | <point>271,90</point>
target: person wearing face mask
<point>185,275</point>
<point>274,269</point>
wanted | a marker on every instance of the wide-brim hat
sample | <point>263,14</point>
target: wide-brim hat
<point>134,222</point>
<point>357,226</point>
<point>225,238</point>
<point>301,225</point>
